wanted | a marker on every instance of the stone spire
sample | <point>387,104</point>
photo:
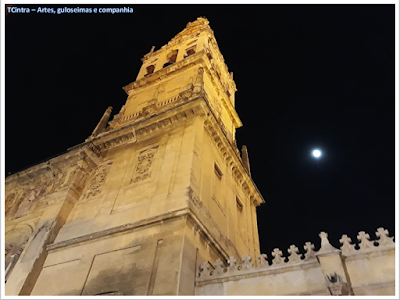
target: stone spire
<point>245,158</point>
<point>103,122</point>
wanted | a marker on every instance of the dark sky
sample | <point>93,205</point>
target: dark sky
<point>307,76</point>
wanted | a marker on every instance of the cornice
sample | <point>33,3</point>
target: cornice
<point>214,44</point>
<point>225,100</point>
<point>118,229</point>
<point>111,139</point>
<point>233,159</point>
<point>151,124</point>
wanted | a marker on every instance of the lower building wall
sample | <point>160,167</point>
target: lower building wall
<point>365,272</point>
<point>372,273</point>
<point>142,261</point>
<point>296,280</point>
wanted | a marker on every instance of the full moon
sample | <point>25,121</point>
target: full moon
<point>316,153</point>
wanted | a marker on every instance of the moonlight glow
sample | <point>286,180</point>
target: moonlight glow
<point>317,153</point>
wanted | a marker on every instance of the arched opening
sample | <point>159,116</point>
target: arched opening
<point>150,70</point>
<point>171,57</point>
<point>190,51</point>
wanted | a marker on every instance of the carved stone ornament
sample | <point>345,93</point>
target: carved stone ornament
<point>347,247</point>
<point>232,263</point>
<point>310,253</point>
<point>278,259</point>
<point>294,256</point>
<point>28,202</point>
<point>262,261</point>
<point>246,262</point>
<point>326,247</point>
<point>365,244</point>
<point>97,181</point>
<point>384,239</point>
<point>144,166</point>
<point>205,270</point>
<point>336,286</point>
<point>54,182</point>
<point>219,267</point>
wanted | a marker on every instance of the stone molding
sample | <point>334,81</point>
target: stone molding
<point>309,259</point>
<point>118,229</point>
<point>233,160</point>
<point>111,139</point>
<point>137,129</point>
<point>96,181</point>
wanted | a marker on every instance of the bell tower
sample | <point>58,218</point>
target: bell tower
<point>162,187</point>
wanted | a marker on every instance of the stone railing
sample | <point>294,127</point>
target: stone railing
<point>234,268</point>
<point>169,100</point>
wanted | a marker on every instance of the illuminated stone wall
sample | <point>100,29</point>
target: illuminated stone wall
<point>368,269</point>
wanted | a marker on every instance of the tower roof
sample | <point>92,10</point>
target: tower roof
<point>192,27</point>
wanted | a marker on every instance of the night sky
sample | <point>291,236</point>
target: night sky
<point>307,76</point>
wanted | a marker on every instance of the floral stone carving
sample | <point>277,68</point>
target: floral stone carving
<point>144,166</point>
<point>97,181</point>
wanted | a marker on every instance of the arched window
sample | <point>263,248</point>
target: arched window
<point>171,57</point>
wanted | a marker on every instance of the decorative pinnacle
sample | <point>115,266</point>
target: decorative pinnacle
<point>384,239</point>
<point>347,247</point>
<point>326,247</point>
<point>101,126</point>
<point>278,259</point>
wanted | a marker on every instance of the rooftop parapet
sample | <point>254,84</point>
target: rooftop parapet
<point>294,258</point>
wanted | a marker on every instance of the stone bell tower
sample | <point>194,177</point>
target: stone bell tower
<point>158,191</point>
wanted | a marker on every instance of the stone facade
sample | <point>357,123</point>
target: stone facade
<point>139,206</point>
